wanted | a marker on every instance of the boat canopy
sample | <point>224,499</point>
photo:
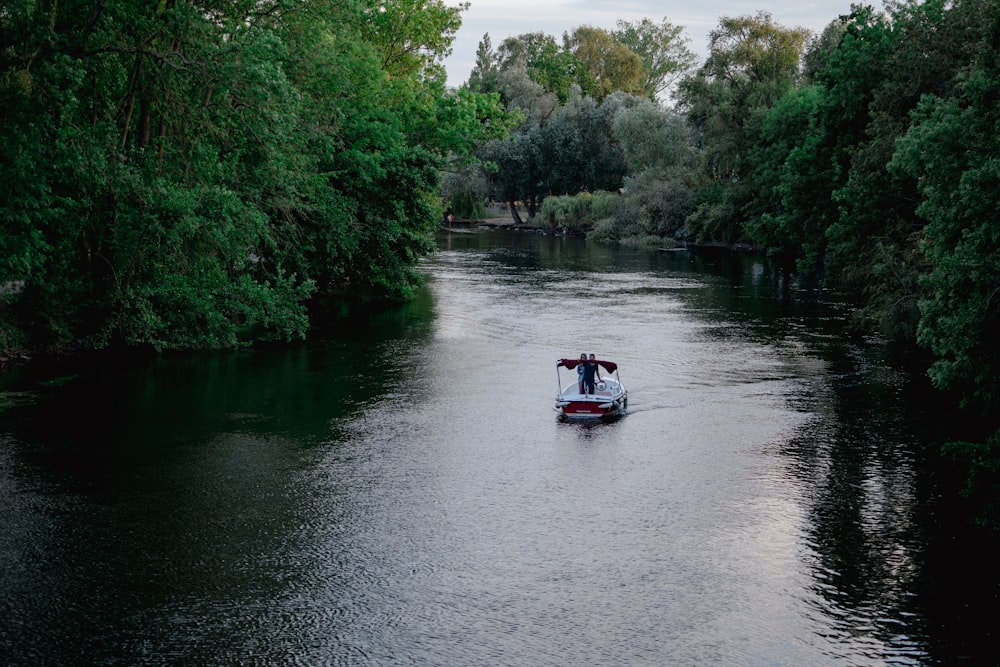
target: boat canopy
<point>609,366</point>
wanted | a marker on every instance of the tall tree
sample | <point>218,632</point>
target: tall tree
<point>663,50</point>
<point>483,78</point>
<point>581,152</point>
<point>556,70</point>
<point>608,64</point>
<point>953,151</point>
<point>752,63</point>
<point>411,36</point>
<point>787,215</point>
<point>653,138</point>
<point>520,169</point>
<point>873,244</point>
<point>807,139</point>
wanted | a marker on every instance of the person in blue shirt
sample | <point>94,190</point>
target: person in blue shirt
<point>590,372</point>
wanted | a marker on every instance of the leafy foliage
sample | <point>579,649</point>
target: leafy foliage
<point>652,212</point>
<point>982,487</point>
<point>952,150</point>
<point>191,174</point>
<point>873,243</point>
<point>640,58</point>
<point>576,213</point>
<point>608,65</point>
<point>752,63</point>
<point>663,50</point>
<point>785,216</point>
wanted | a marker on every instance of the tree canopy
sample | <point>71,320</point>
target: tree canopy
<point>188,174</point>
<point>663,50</point>
<point>640,58</point>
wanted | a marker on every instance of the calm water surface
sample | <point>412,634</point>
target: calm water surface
<point>400,491</point>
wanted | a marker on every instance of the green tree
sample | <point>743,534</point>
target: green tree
<point>653,138</point>
<point>803,152</point>
<point>411,36</point>
<point>663,50</point>
<point>785,216</point>
<point>800,155</point>
<point>526,97</point>
<point>608,65</point>
<point>873,247</point>
<point>520,169</point>
<point>819,49</point>
<point>641,58</point>
<point>485,73</point>
<point>580,148</point>
<point>752,63</point>
<point>952,149</point>
<point>147,118</point>
<point>542,60</point>
<point>188,175</point>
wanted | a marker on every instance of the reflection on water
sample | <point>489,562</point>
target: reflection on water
<point>399,490</point>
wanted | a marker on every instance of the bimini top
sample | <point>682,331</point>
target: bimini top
<point>609,366</point>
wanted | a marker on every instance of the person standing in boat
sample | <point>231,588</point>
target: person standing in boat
<point>579,372</point>
<point>590,372</point>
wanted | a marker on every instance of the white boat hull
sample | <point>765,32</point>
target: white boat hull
<point>609,400</point>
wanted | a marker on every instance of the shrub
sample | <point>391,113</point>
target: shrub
<point>577,212</point>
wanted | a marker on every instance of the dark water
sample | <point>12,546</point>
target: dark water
<point>399,490</point>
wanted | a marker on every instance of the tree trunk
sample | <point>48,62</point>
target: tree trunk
<point>145,129</point>
<point>133,89</point>
<point>514,214</point>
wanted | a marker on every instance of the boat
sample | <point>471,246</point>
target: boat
<point>609,400</point>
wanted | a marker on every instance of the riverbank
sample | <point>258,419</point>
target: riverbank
<point>506,222</point>
<point>493,222</point>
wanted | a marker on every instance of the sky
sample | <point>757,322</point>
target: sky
<point>506,18</point>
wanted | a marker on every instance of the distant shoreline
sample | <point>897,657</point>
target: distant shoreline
<point>493,221</point>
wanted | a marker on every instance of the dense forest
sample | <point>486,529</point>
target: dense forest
<point>192,174</point>
<point>187,174</point>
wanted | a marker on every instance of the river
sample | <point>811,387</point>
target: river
<point>399,490</point>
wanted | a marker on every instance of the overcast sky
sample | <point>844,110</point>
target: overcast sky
<point>506,18</point>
